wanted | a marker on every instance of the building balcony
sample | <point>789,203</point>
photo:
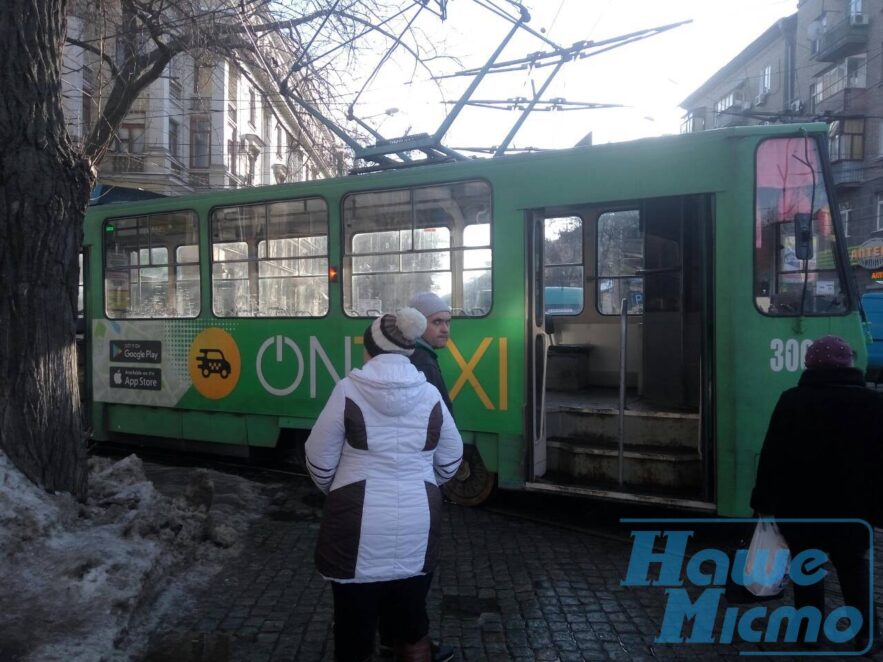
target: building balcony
<point>845,38</point>
<point>733,116</point>
<point>849,101</point>
<point>125,162</point>
<point>847,173</point>
<point>176,167</point>
<point>694,121</point>
<point>199,180</point>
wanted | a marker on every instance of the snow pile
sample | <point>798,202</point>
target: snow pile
<point>84,581</point>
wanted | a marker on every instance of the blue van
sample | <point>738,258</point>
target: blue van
<point>872,303</point>
<point>563,300</point>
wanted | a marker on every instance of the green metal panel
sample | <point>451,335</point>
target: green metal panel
<point>210,426</point>
<point>747,387</point>
<point>262,430</point>
<point>148,421</point>
<point>489,450</point>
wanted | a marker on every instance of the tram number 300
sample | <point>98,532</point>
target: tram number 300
<point>788,354</point>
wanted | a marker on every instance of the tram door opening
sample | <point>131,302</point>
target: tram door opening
<point>651,259</point>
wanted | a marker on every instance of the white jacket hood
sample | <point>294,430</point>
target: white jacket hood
<point>390,383</point>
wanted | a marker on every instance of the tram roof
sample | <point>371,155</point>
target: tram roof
<point>457,170</point>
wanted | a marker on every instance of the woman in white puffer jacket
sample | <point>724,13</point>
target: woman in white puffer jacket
<point>380,448</point>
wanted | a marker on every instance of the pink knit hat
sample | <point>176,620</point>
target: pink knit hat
<point>829,352</point>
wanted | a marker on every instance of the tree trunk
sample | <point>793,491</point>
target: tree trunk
<point>44,190</point>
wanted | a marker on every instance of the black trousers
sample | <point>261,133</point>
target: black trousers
<point>357,608</point>
<point>847,548</point>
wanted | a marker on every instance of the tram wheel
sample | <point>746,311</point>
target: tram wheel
<point>473,483</point>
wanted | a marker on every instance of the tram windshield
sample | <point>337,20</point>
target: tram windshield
<point>796,269</point>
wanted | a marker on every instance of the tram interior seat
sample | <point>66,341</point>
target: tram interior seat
<point>583,356</point>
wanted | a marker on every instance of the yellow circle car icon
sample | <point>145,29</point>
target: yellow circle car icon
<point>214,363</point>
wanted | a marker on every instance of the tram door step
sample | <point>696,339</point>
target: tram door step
<point>660,451</point>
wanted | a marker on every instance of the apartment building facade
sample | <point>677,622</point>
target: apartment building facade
<point>824,62</point>
<point>204,124</point>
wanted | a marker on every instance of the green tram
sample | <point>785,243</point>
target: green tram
<point>625,315</point>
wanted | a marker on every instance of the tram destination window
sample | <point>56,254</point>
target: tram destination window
<point>620,262</point>
<point>432,238</point>
<point>563,265</point>
<point>151,266</point>
<point>270,260</point>
<point>796,261</point>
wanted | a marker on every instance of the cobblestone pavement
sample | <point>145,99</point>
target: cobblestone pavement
<point>508,588</point>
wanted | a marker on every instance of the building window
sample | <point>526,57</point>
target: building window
<point>130,138</point>
<point>879,207</point>
<point>202,79</point>
<point>766,80</point>
<point>173,138</point>
<point>845,211</point>
<point>200,142</point>
<point>252,108</point>
<point>232,154</point>
<point>278,141</point>
<point>846,140</point>
<point>89,86</point>
<point>232,93</point>
<point>855,8</point>
<point>175,79</point>
<point>734,98</point>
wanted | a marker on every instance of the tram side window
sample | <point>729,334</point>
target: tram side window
<point>620,259</point>
<point>796,268</point>
<point>563,260</point>
<point>270,260</point>
<point>151,266</point>
<point>434,238</point>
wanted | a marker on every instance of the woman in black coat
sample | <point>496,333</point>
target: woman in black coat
<point>821,458</point>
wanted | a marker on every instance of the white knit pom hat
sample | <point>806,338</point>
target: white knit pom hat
<point>395,334</point>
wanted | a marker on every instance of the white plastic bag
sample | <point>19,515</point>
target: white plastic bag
<point>768,560</point>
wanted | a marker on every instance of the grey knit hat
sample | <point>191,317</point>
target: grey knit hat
<point>429,303</point>
<point>395,334</point>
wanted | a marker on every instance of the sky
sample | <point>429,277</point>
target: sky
<point>649,78</point>
<point>86,582</point>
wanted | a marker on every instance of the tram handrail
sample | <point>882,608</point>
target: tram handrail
<point>623,339</point>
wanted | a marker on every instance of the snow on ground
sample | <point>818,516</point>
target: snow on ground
<point>87,581</point>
